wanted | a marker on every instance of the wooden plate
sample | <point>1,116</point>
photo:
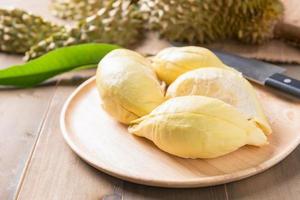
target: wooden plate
<point>106,145</point>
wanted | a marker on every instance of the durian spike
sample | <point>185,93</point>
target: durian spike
<point>119,22</point>
<point>75,9</point>
<point>205,21</point>
<point>19,30</point>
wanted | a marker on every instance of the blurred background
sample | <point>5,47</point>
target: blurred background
<point>263,29</point>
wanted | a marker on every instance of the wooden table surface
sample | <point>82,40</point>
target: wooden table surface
<point>36,163</point>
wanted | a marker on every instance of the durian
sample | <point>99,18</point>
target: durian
<point>75,9</point>
<point>223,84</point>
<point>174,61</point>
<point>203,21</point>
<point>127,85</point>
<point>197,127</point>
<point>119,23</point>
<point>19,30</point>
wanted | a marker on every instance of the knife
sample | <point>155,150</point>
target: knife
<point>261,72</point>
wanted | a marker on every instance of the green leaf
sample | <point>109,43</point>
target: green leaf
<point>54,63</point>
<point>86,67</point>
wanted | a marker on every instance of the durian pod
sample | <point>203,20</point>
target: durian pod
<point>173,61</point>
<point>127,85</point>
<point>288,32</point>
<point>262,25</point>
<point>197,127</point>
<point>205,21</point>
<point>19,30</point>
<point>75,9</point>
<point>118,23</point>
<point>226,85</point>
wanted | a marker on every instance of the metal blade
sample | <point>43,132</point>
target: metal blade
<point>252,69</point>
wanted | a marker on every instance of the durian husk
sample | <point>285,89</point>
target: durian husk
<point>75,9</point>
<point>119,22</point>
<point>196,22</point>
<point>19,30</point>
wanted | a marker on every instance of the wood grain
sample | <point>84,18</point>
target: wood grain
<point>53,164</point>
<point>21,115</point>
<point>279,182</point>
<point>106,145</point>
<point>22,112</point>
<point>133,191</point>
<point>55,172</point>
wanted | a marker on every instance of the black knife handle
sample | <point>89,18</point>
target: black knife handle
<point>284,84</point>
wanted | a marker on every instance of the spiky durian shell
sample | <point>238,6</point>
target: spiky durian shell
<point>20,30</point>
<point>203,21</point>
<point>75,9</point>
<point>119,22</point>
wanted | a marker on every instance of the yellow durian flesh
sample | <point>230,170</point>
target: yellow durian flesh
<point>197,127</point>
<point>173,61</point>
<point>127,85</point>
<point>226,85</point>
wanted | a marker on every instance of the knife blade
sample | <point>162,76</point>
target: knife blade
<point>261,72</point>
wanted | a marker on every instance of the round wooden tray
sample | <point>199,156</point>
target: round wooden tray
<point>106,145</point>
